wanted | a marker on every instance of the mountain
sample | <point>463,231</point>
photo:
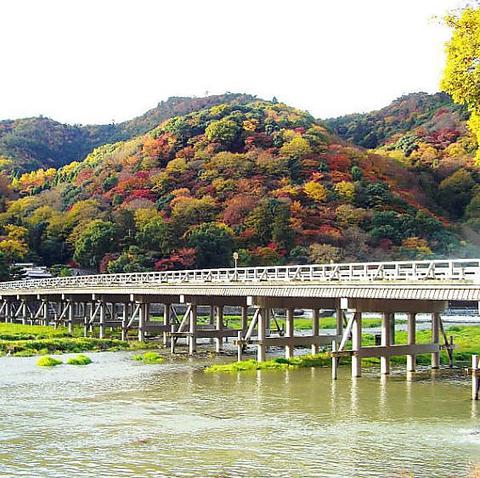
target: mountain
<point>261,178</point>
<point>32,143</point>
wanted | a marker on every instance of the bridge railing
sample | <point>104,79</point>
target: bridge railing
<point>438,270</point>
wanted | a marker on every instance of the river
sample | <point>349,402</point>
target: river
<point>119,418</point>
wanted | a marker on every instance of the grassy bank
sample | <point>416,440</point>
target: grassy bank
<point>301,323</point>
<point>319,360</point>
<point>27,340</point>
<point>466,338</point>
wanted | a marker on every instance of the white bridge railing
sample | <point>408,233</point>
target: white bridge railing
<point>438,270</point>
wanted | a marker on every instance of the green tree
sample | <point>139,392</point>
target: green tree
<point>282,232</point>
<point>224,131</point>
<point>155,235</point>
<point>97,238</point>
<point>213,243</point>
<point>132,260</point>
<point>456,191</point>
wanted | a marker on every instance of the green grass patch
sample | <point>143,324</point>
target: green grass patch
<point>59,345</point>
<point>79,360</point>
<point>304,361</point>
<point>149,358</point>
<point>48,361</point>
<point>31,332</point>
<point>301,323</point>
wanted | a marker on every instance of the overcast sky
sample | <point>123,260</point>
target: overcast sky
<point>94,61</point>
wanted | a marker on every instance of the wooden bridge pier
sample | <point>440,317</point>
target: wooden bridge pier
<point>388,346</point>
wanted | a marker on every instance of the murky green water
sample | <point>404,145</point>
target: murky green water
<point>118,418</point>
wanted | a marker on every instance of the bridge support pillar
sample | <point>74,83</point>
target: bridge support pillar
<point>289,332</point>
<point>6,311</point>
<point>166,322</point>
<point>268,320</point>
<point>315,329</point>
<point>411,340</point>
<point>124,321</point>
<point>357,345</point>
<point>219,327</point>
<point>101,331</point>
<point>70,316</point>
<point>261,334</point>
<point>436,339</point>
<point>339,320</point>
<point>244,319</point>
<point>392,328</point>
<point>386,341</point>
<point>142,321</point>
<point>23,312</point>
<point>192,342</point>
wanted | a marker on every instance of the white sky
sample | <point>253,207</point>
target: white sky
<point>91,61</point>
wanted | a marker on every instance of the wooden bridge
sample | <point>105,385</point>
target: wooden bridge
<point>129,301</point>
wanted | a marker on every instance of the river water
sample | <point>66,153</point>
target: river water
<point>119,418</point>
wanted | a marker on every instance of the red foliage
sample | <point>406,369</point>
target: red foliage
<point>160,148</point>
<point>339,162</point>
<point>182,259</point>
<point>262,140</point>
<point>141,194</point>
<point>107,258</point>
<point>442,138</point>
<point>83,176</point>
<point>237,208</point>
<point>385,244</point>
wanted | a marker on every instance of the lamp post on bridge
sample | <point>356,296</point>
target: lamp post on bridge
<point>235,262</point>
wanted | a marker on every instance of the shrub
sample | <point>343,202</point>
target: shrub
<point>149,358</point>
<point>48,361</point>
<point>79,360</point>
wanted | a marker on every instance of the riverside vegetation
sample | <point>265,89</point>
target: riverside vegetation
<point>467,340</point>
<point>28,340</point>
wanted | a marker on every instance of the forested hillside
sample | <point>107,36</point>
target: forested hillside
<point>262,178</point>
<point>429,135</point>
<point>31,143</point>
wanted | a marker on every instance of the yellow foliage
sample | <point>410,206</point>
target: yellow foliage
<point>70,169</point>
<point>177,165</point>
<point>347,215</point>
<point>250,125</point>
<point>144,215</point>
<point>418,244</point>
<point>461,77</point>
<point>14,248</point>
<point>5,163</point>
<point>14,243</point>
<point>296,148</point>
<point>35,179</point>
<point>346,190</point>
<point>316,191</point>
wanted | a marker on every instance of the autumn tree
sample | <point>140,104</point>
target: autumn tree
<point>461,77</point>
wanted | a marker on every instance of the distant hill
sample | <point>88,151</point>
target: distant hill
<point>31,143</point>
<point>261,178</point>
<point>404,115</point>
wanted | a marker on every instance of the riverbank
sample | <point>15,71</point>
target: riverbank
<point>466,339</point>
<point>27,340</point>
